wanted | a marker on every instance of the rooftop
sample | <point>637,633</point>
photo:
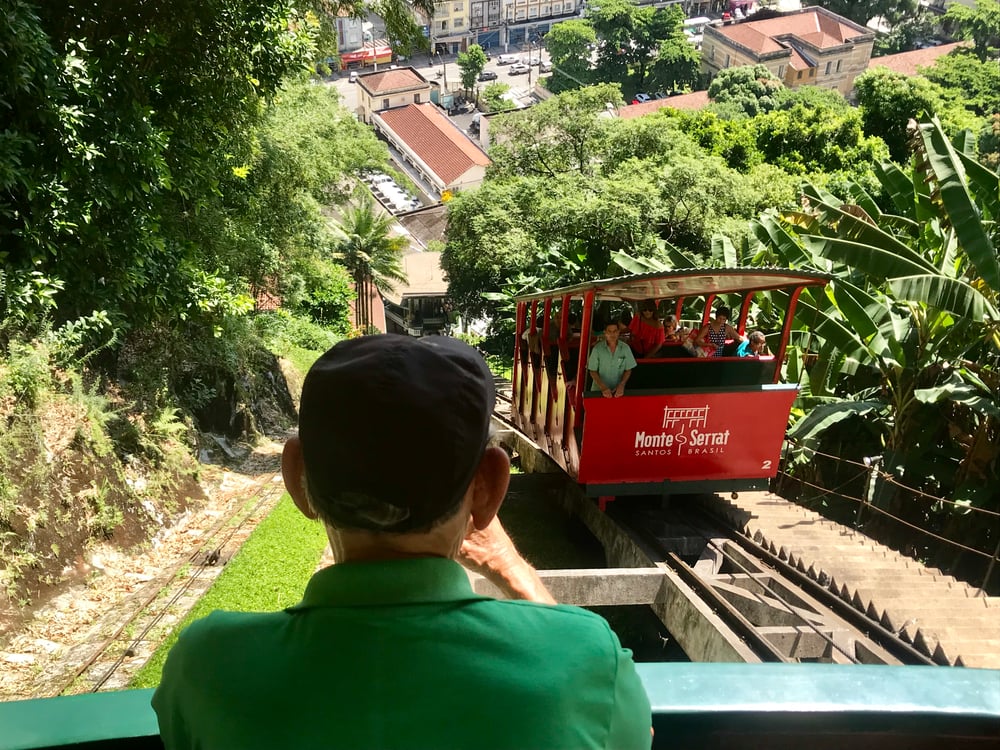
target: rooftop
<point>424,278</point>
<point>816,27</point>
<point>694,100</point>
<point>908,62</point>
<point>435,139</point>
<point>394,79</point>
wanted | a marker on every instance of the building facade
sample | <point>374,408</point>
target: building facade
<point>811,46</point>
<point>433,147</point>
<point>386,89</point>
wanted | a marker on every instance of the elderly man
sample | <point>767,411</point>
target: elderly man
<point>390,647</point>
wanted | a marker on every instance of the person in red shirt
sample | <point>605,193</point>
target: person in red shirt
<point>647,331</point>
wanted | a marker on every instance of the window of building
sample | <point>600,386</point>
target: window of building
<point>533,12</point>
<point>519,14</point>
<point>781,71</point>
<point>385,104</point>
<point>546,10</point>
<point>798,75</point>
<point>829,67</point>
<point>728,58</point>
<point>444,25</point>
<point>709,51</point>
<point>812,72</point>
<point>838,65</point>
<point>459,7</point>
<point>416,98</point>
<point>458,22</point>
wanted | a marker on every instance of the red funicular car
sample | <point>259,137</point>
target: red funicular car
<point>684,423</point>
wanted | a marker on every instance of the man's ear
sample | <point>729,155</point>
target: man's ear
<point>490,486</point>
<point>292,471</point>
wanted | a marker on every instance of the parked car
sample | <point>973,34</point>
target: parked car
<point>353,78</point>
<point>545,67</point>
<point>518,69</point>
<point>508,59</point>
<point>488,75</point>
<point>641,98</point>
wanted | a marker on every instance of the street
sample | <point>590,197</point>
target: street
<point>447,73</point>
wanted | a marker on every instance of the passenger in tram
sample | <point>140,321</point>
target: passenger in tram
<point>647,331</point>
<point>610,363</point>
<point>717,331</point>
<point>390,647</point>
<point>754,346</point>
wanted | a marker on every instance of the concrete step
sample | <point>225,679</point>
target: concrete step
<point>979,659</point>
<point>895,619</point>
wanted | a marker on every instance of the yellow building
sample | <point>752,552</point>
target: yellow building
<point>811,46</point>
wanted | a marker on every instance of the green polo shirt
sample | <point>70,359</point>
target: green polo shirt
<point>402,654</point>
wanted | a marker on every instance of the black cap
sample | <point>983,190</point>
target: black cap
<point>393,429</point>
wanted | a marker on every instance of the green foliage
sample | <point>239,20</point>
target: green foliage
<point>889,100</point>
<point>493,97</point>
<point>804,139</point>
<point>471,63</point>
<point>677,64</point>
<point>909,331</point>
<point>976,82</point>
<point>282,331</point>
<point>269,573</point>
<point>751,89</point>
<point>119,134</point>
<point>371,253</point>
<point>905,35</point>
<point>562,133</point>
<point>862,11</point>
<point>981,24</point>
<point>569,44</point>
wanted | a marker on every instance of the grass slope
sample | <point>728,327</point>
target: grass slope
<point>269,573</point>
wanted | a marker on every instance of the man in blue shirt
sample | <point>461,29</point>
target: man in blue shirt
<point>610,364</point>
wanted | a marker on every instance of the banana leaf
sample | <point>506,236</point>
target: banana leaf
<point>769,231</point>
<point>962,211</point>
<point>631,264</point>
<point>957,390</point>
<point>912,199</point>
<point>985,184</point>
<point>874,261</point>
<point>953,295</point>
<point>824,416</point>
<point>866,315</point>
<point>852,228</point>
<point>863,199</point>
<point>724,250</point>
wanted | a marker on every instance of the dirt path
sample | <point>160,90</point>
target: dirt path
<point>41,657</point>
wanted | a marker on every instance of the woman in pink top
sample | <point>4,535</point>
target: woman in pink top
<point>647,331</point>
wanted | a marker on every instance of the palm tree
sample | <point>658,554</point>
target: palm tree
<point>372,255</point>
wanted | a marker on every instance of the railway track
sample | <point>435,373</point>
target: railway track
<point>778,611</point>
<point>107,664</point>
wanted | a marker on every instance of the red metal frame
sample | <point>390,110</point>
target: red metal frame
<point>742,419</point>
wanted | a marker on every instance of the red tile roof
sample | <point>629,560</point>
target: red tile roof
<point>394,79</point>
<point>815,27</point>
<point>908,62</point>
<point>435,139</point>
<point>694,100</point>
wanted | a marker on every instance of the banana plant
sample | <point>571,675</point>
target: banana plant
<point>915,300</point>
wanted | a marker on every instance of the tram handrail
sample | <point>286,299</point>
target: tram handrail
<point>690,699</point>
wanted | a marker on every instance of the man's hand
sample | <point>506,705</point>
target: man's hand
<point>491,553</point>
<point>620,390</point>
<point>606,392</point>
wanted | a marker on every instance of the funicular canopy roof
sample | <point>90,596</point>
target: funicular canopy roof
<point>688,282</point>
